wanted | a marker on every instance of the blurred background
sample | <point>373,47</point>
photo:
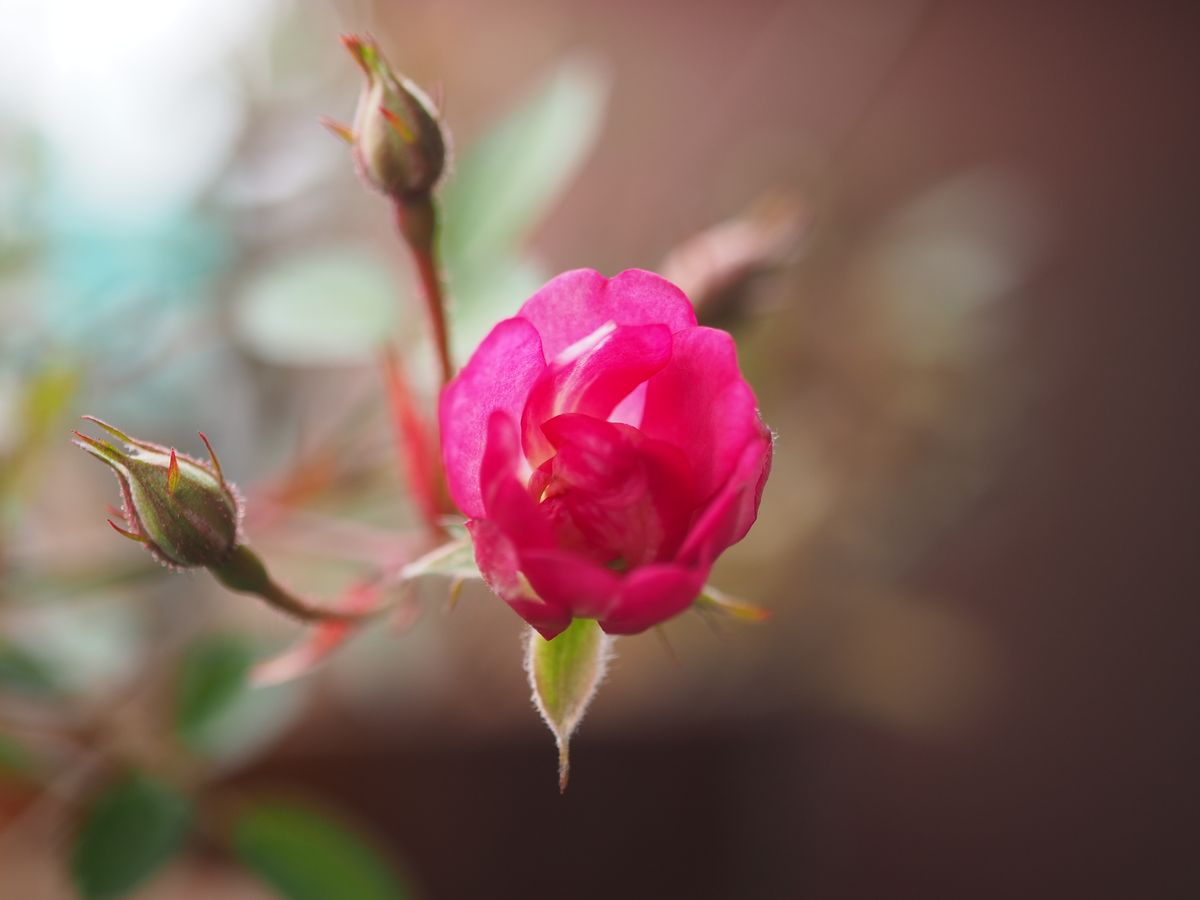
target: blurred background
<point>954,242</point>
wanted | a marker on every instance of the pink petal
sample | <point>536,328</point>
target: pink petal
<point>497,560</point>
<point>573,305</point>
<point>701,403</point>
<point>497,377</point>
<point>628,497</point>
<point>506,501</point>
<point>566,580</point>
<point>592,377</point>
<point>653,594</point>
<point>733,510</point>
<point>630,410</point>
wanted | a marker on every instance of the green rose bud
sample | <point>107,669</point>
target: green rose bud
<point>182,509</point>
<point>399,144</point>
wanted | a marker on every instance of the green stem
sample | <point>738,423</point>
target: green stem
<point>245,572</point>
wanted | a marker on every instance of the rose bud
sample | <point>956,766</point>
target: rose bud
<point>182,509</point>
<point>399,145</point>
<point>606,450</point>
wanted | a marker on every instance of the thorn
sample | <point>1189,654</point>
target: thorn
<point>172,473</point>
<point>337,129</point>
<point>213,456</point>
<point>127,534</point>
<point>398,125</point>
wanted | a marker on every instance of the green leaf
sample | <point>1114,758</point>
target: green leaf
<point>213,673</point>
<point>24,673</point>
<point>305,856</point>
<point>507,181</point>
<point>510,178</point>
<point>131,830</point>
<point>564,674</point>
<point>219,715</point>
<point>321,308</point>
<point>15,760</point>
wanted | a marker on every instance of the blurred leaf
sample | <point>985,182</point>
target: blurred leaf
<point>44,398</point>
<point>564,674</point>
<point>219,715</point>
<point>305,856</point>
<point>89,647</point>
<point>15,759</point>
<point>213,673</point>
<point>319,308</point>
<point>49,393</point>
<point>22,672</point>
<point>483,298</point>
<point>131,830</point>
<point>507,181</point>
<point>250,723</point>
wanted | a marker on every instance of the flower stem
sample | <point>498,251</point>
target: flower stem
<point>245,572</point>
<point>416,218</point>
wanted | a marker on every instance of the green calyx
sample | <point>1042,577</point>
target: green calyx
<point>182,509</point>
<point>397,136</point>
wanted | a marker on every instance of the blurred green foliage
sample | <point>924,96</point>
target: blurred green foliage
<point>130,830</point>
<point>306,856</point>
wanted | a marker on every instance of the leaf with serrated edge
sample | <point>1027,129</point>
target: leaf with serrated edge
<point>564,674</point>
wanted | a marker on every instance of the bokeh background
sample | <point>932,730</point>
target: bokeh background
<point>955,243</point>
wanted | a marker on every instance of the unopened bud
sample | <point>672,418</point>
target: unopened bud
<point>182,509</point>
<point>399,144</point>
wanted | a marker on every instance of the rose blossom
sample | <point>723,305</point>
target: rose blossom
<point>606,450</point>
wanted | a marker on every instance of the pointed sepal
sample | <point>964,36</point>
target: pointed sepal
<point>712,600</point>
<point>564,674</point>
<point>180,508</point>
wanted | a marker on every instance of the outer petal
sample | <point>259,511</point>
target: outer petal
<point>569,581</point>
<point>733,510</point>
<point>653,594</point>
<point>505,499</point>
<point>573,305</point>
<point>592,377</point>
<point>498,377</point>
<point>497,560</point>
<point>701,404</point>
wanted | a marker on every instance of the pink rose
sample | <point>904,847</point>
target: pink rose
<point>606,450</point>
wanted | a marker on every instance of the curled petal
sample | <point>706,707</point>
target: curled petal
<point>573,305</point>
<point>592,377</point>
<point>733,510</point>
<point>700,403</point>
<point>585,588</point>
<point>505,498</point>
<point>652,594</point>
<point>497,560</point>
<point>498,377</point>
